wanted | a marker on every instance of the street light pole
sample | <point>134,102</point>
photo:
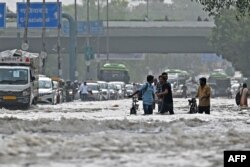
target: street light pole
<point>25,44</point>
<point>88,42</point>
<point>76,27</point>
<point>98,39</point>
<point>88,28</point>
<point>43,38</point>
<point>147,9</point>
<point>59,40</point>
<point>107,31</point>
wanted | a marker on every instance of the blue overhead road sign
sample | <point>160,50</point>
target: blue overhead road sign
<point>36,14</point>
<point>96,27</point>
<point>2,14</point>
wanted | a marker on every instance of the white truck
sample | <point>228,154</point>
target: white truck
<point>19,71</point>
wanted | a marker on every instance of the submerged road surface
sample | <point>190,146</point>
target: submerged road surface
<point>103,134</point>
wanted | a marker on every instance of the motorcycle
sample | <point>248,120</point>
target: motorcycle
<point>69,95</point>
<point>193,106</point>
<point>135,106</point>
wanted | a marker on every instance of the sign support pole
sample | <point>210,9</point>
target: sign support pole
<point>76,54</point>
<point>98,40</point>
<point>43,36</point>
<point>88,42</point>
<point>59,40</point>
<point>25,45</point>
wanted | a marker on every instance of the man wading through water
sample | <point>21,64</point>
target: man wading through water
<point>166,95</point>
<point>147,91</point>
<point>203,94</point>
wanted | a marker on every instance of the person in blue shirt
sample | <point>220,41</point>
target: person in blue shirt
<point>147,91</point>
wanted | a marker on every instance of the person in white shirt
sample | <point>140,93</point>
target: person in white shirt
<point>84,91</point>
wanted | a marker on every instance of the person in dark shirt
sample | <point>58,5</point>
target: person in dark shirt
<point>159,90</point>
<point>166,95</point>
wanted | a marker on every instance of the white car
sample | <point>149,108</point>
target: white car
<point>104,90</point>
<point>47,94</point>
<point>94,88</point>
<point>121,88</point>
<point>129,89</point>
<point>113,91</point>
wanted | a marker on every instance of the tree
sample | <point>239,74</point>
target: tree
<point>231,39</point>
<point>215,7</point>
<point>231,36</point>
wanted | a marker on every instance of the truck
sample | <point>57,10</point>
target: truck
<point>220,84</point>
<point>114,72</point>
<point>19,72</point>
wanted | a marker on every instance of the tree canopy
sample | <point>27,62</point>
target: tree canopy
<point>215,7</point>
<point>231,39</point>
<point>231,36</point>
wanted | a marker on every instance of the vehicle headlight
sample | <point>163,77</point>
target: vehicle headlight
<point>26,92</point>
<point>49,92</point>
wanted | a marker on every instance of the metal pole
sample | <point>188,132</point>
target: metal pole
<point>88,28</point>
<point>107,31</point>
<point>98,39</point>
<point>59,39</point>
<point>76,71</point>
<point>88,42</point>
<point>25,35</point>
<point>43,36</point>
<point>98,9</point>
<point>147,9</point>
<point>72,37</point>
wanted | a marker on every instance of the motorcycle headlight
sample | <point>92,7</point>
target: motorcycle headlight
<point>71,92</point>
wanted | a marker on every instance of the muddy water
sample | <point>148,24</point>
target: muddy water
<point>103,134</point>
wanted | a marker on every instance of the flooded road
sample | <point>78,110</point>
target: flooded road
<point>103,133</point>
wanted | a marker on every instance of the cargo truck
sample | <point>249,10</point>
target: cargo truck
<point>18,78</point>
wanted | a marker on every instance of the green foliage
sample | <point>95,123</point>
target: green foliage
<point>231,38</point>
<point>215,7</point>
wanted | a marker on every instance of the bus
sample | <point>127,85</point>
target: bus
<point>220,83</point>
<point>114,72</point>
<point>177,76</point>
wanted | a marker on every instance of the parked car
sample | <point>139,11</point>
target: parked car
<point>121,88</point>
<point>129,89</point>
<point>95,91</point>
<point>113,91</point>
<point>46,91</point>
<point>104,90</point>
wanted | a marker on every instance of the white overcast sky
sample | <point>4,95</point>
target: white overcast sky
<point>12,3</point>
